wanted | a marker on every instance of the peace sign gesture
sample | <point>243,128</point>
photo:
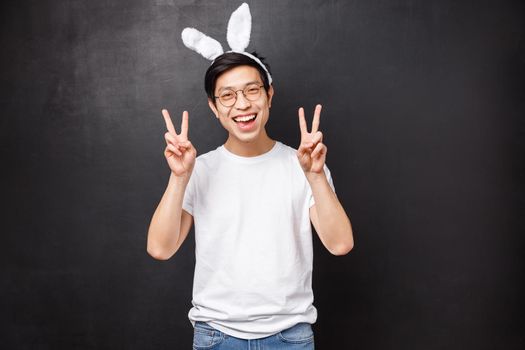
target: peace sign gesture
<point>179,151</point>
<point>312,151</point>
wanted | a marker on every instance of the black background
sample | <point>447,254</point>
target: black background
<point>423,119</point>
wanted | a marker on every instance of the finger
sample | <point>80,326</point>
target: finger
<point>176,150</point>
<point>185,144</point>
<point>184,126</point>
<point>182,145</point>
<point>317,117</point>
<point>169,124</point>
<point>302,122</point>
<point>319,149</point>
<point>171,148</point>
<point>169,138</point>
<point>305,147</point>
<point>318,137</point>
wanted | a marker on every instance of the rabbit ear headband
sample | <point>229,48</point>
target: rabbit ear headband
<point>238,36</point>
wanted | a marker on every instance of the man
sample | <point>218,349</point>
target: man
<point>252,200</point>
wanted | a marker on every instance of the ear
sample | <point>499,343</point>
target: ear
<point>213,108</point>
<point>239,28</point>
<point>270,96</point>
<point>197,41</point>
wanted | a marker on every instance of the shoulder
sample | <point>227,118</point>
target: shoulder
<point>291,154</point>
<point>208,160</point>
<point>287,151</point>
<point>288,155</point>
<point>209,156</point>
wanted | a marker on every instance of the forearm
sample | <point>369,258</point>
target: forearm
<point>164,229</point>
<point>333,222</point>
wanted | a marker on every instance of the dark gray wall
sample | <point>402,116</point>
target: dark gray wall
<point>423,119</point>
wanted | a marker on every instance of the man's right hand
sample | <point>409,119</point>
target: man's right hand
<point>179,151</point>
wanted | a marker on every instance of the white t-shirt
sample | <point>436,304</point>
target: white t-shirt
<point>253,242</point>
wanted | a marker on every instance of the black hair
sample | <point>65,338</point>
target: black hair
<point>230,60</point>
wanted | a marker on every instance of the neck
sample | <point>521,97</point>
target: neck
<point>250,148</point>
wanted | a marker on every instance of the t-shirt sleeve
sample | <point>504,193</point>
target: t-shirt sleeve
<point>189,195</point>
<point>330,182</point>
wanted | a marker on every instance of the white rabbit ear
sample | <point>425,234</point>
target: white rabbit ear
<point>239,28</point>
<point>201,43</point>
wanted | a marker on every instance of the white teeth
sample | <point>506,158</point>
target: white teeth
<point>245,118</point>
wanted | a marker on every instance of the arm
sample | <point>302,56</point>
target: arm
<point>327,215</point>
<point>170,224</point>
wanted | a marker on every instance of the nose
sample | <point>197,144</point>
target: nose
<point>241,102</point>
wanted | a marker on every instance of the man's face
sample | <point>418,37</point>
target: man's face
<point>237,79</point>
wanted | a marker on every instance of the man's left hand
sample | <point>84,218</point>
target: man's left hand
<point>311,151</point>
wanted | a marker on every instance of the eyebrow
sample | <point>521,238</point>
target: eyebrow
<point>245,85</point>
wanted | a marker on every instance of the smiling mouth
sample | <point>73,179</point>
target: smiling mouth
<point>245,118</point>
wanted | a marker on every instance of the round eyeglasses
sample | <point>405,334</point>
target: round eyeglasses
<point>251,92</point>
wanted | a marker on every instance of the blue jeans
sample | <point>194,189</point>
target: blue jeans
<point>298,337</point>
